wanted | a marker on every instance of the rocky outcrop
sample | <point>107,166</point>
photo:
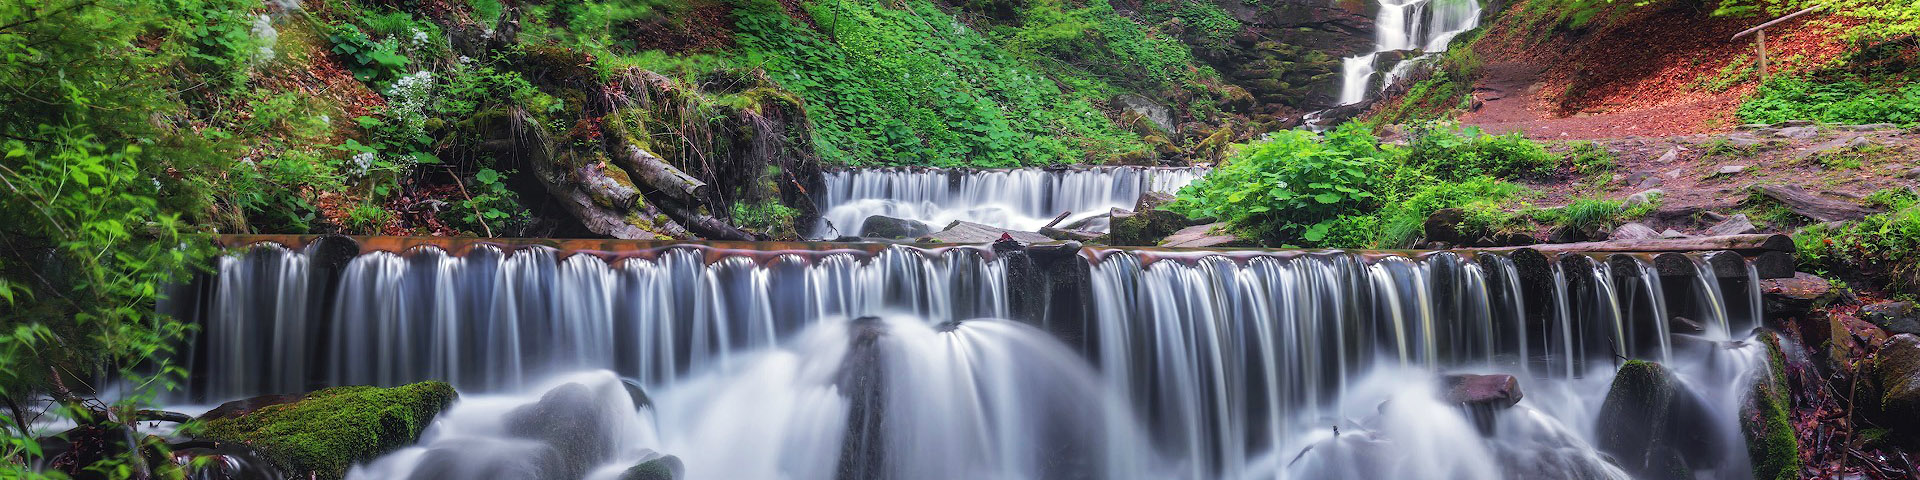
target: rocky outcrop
<point>963,232</point>
<point>1290,56</point>
<point>1772,447</point>
<point>881,226</point>
<point>322,433</point>
<point>1895,371</point>
<point>1653,425</point>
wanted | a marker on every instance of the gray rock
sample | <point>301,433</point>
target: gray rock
<point>881,226</point>
<point>1730,170</point>
<point>1203,236</point>
<point>1642,198</point>
<point>1912,174</point>
<point>1675,173</point>
<point>1794,297</point>
<point>1799,133</point>
<point>1671,233</point>
<point>1673,153</point>
<point>667,467</point>
<point>1745,141</point>
<point>1643,180</point>
<point>1894,317</point>
<point>1754,126</point>
<point>1735,225</point>
<point>1634,231</point>
<point>974,233</point>
<point>570,423</point>
<point>1654,426</point>
<point>1796,123</point>
<point>1154,112</point>
<point>1872,127</point>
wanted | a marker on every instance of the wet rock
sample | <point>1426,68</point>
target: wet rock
<point>1794,297</point>
<point>1144,227</point>
<point>1653,426</point>
<point>666,467</point>
<point>1153,112</point>
<point>248,405</point>
<point>1896,373</point>
<point>1894,317</point>
<point>881,226</point>
<point>1734,225</point>
<point>974,233</point>
<point>1772,446</point>
<point>1850,338</point>
<point>569,421</point>
<point>1204,236</point>
<point>1498,391</point>
<point>637,393</point>
<point>204,460</point>
<point>326,431</point>
<point>1634,231</point>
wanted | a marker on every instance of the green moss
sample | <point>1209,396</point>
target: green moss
<point>332,429</point>
<point>663,468</point>
<point>1771,445</point>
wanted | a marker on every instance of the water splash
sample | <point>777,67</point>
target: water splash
<point>1423,25</point>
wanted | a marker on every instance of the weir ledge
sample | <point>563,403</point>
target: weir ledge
<point>1727,256</point>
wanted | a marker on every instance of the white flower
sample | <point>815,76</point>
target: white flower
<point>362,162</point>
<point>466,59</point>
<point>419,38</point>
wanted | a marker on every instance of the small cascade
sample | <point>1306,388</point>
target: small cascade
<point>1425,26</point>
<point>903,362</point>
<point>1019,199</point>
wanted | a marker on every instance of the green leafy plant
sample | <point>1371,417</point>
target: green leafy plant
<point>1589,158</point>
<point>374,62</point>
<point>1291,186</point>
<point>769,218</point>
<point>1850,101</point>
<point>1880,246</point>
<point>1453,152</point>
<point>492,209</point>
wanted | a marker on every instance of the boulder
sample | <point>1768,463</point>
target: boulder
<point>1772,445</point>
<point>1499,390</point>
<point>1634,231</point>
<point>1896,374</point>
<point>1654,426</point>
<point>1850,338</point>
<point>326,431</point>
<point>666,467</point>
<point>569,421</point>
<point>1152,201</point>
<point>974,233</point>
<point>1894,317</point>
<point>1144,227</point>
<point>881,226</point>
<point>1204,236</point>
<point>1796,296</point>
<point>1735,225</point>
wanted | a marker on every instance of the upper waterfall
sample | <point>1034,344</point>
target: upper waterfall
<point>1425,26</point>
<point>1019,199</point>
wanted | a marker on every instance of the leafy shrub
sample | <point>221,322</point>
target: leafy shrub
<point>491,208</point>
<point>1584,214</point>
<point>1588,158</point>
<point>768,218</point>
<point>1851,102</point>
<point>372,61</point>
<point>1884,245</point>
<point>1455,153</point>
<point>1290,185</point>
<point>1403,220</point>
<point>217,36</point>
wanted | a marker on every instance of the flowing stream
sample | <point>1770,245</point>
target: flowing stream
<point>1421,27</point>
<point>1020,199</point>
<point>964,362</point>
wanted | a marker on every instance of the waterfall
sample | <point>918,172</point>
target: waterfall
<point>904,362</point>
<point>1423,25</point>
<point>1019,199</point>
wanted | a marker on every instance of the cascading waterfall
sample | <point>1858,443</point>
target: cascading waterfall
<point>850,364</point>
<point>1019,199</point>
<point>1423,25</point>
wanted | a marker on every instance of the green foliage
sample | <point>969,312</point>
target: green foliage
<point>374,62</point>
<point>95,180</point>
<point>493,208</point>
<point>1402,220</point>
<point>1212,24</point>
<point>912,85</point>
<point>1455,153</point>
<point>1585,214</point>
<point>217,36</point>
<point>1107,43</point>
<point>1881,246</point>
<point>1447,91</point>
<point>332,429</point>
<point>1849,102</point>
<point>1291,185</point>
<point>1589,158</point>
<point>769,218</point>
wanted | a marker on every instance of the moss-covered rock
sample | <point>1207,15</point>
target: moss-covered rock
<point>1634,421</point>
<point>327,431</point>
<point>663,468</point>
<point>1771,445</point>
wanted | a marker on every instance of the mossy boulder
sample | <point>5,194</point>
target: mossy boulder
<point>1896,377</point>
<point>323,433</point>
<point>661,468</point>
<point>1654,426</point>
<point>1772,447</point>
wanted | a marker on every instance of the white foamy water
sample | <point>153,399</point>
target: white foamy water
<point>1018,199</point>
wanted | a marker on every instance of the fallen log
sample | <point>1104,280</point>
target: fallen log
<point>1056,220</point>
<point>706,226</point>
<point>656,173</point>
<point>1752,244</point>
<point>1813,206</point>
<point>529,138</point>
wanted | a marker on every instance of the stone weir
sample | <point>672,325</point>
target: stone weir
<point>287,313</point>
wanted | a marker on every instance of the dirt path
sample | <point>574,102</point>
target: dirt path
<point>1510,102</point>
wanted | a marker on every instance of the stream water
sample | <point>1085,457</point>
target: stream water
<point>1420,27</point>
<point>964,362</point>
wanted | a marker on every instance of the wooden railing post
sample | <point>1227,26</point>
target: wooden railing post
<point>1760,36</point>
